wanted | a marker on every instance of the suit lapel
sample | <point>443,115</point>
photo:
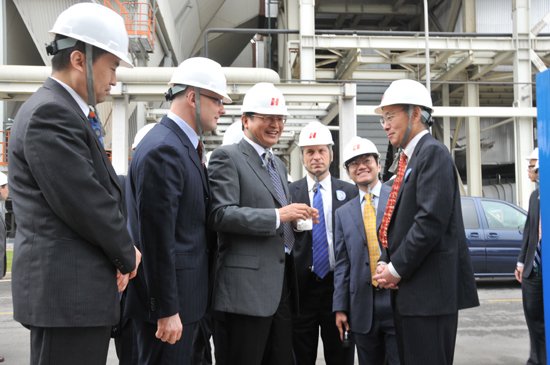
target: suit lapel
<point>382,202</point>
<point>357,217</point>
<point>411,165</point>
<point>191,152</point>
<point>256,164</point>
<point>302,193</point>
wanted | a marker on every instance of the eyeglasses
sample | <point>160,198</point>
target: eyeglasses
<point>531,166</point>
<point>355,164</point>
<point>219,101</point>
<point>269,120</point>
<point>388,118</point>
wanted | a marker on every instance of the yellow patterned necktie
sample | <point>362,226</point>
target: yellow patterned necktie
<point>369,220</point>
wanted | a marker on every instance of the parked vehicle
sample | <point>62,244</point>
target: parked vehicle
<point>494,229</point>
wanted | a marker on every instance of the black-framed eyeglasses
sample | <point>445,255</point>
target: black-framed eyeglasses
<point>219,101</point>
<point>270,119</point>
<point>531,166</point>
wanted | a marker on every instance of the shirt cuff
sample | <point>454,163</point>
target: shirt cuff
<point>278,223</point>
<point>392,271</point>
<point>520,264</point>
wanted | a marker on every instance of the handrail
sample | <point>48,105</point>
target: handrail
<point>144,20</point>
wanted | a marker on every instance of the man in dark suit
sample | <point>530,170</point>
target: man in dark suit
<point>71,235</point>
<point>4,192</point>
<point>361,306</point>
<point>316,277</point>
<point>529,274</point>
<point>428,262</point>
<point>255,283</point>
<point>168,197</point>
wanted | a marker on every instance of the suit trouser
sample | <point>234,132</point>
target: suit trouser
<point>315,312</point>
<point>69,345</point>
<point>533,308</point>
<point>379,345</point>
<point>262,340</point>
<point>151,350</point>
<point>426,340</point>
<point>210,325</point>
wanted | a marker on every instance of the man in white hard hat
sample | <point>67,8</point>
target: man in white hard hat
<point>72,250</point>
<point>533,158</point>
<point>168,196</point>
<point>427,256</point>
<point>361,306</point>
<point>529,274</point>
<point>314,254</point>
<point>255,283</point>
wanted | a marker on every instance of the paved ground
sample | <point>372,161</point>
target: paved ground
<point>494,333</point>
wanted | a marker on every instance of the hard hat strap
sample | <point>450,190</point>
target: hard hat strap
<point>198,118</point>
<point>90,75</point>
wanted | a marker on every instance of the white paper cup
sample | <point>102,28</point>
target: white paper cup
<point>304,225</point>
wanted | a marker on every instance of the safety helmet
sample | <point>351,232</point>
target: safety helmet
<point>315,133</point>
<point>233,134</point>
<point>200,72</point>
<point>141,133</point>
<point>96,25</point>
<point>408,92</point>
<point>358,146</point>
<point>3,179</point>
<point>534,155</point>
<point>264,98</point>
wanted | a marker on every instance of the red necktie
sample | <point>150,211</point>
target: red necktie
<point>199,151</point>
<point>391,201</point>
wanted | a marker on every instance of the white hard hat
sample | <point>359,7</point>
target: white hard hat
<point>3,179</point>
<point>408,92</point>
<point>264,98</point>
<point>203,73</point>
<point>141,133</point>
<point>96,25</point>
<point>534,155</point>
<point>314,134</point>
<point>358,146</point>
<point>233,134</point>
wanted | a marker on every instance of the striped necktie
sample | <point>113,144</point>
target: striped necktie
<point>369,221</point>
<point>321,264</point>
<point>96,125</point>
<point>538,253</point>
<point>278,185</point>
<point>391,201</point>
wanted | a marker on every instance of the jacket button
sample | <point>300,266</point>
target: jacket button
<point>366,263</point>
<point>310,268</point>
<point>282,234</point>
<point>282,261</point>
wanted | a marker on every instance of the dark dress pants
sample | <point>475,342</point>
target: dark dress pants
<point>211,325</point>
<point>316,312</point>
<point>533,308</point>
<point>151,350</point>
<point>69,345</point>
<point>263,340</point>
<point>379,345</point>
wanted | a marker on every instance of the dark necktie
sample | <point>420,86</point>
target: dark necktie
<point>199,151</point>
<point>278,185</point>
<point>321,264</point>
<point>538,254</point>
<point>391,201</point>
<point>96,125</point>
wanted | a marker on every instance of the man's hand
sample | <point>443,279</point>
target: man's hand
<point>519,273</point>
<point>293,212</point>
<point>122,280</point>
<point>342,323</point>
<point>169,329</point>
<point>138,261</point>
<point>385,279</point>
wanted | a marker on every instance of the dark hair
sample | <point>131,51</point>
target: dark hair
<point>61,59</point>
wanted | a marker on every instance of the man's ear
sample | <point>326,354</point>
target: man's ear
<point>78,61</point>
<point>244,120</point>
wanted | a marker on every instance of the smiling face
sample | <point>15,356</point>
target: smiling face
<point>363,170</point>
<point>395,123</point>
<point>266,130</point>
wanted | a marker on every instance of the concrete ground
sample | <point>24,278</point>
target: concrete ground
<point>494,333</point>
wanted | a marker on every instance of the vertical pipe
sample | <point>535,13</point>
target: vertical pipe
<point>427,34</point>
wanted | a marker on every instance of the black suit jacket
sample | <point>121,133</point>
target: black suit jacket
<point>71,236</point>
<point>168,193</point>
<point>426,240</point>
<point>303,252</point>
<point>530,234</point>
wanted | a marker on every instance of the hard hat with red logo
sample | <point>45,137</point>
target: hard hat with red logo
<point>264,98</point>
<point>314,134</point>
<point>358,146</point>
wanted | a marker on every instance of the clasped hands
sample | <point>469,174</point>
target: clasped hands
<point>385,278</point>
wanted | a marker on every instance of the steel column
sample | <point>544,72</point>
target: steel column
<point>347,104</point>
<point>473,143</point>
<point>307,39</point>
<point>120,134</point>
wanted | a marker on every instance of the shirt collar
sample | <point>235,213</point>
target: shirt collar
<point>191,134</point>
<point>81,103</point>
<point>374,191</point>
<point>409,150</point>
<point>256,146</point>
<point>325,183</point>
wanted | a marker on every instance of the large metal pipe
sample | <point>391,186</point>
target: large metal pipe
<point>153,75</point>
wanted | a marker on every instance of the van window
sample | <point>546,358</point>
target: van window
<point>469,215</point>
<point>502,216</point>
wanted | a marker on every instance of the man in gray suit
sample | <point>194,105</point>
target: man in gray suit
<point>72,253</point>
<point>4,192</point>
<point>361,306</point>
<point>255,281</point>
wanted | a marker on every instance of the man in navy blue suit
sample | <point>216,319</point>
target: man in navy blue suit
<point>168,197</point>
<point>361,306</point>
